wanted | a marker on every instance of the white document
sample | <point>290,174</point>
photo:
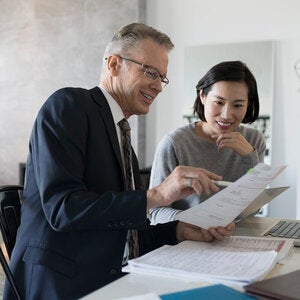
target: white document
<point>149,296</point>
<point>263,198</point>
<point>236,260</point>
<point>224,206</point>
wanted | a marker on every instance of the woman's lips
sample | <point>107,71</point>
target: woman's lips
<point>224,125</point>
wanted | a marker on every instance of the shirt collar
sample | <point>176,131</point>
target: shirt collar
<point>115,108</point>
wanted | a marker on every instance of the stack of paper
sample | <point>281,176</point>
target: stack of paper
<point>236,260</point>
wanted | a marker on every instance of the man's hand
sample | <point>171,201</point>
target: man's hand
<point>185,231</point>
<point>182,182</point>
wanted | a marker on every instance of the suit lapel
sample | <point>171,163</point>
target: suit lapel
<point>136,171</point>
<point>107,117</point>
<point>105,111</point>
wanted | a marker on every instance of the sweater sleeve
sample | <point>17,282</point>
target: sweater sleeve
<point>261,146</point>
<point>257,140</point>
<point>165,161</point>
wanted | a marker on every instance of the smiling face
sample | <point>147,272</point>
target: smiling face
<point>225,107</point>
<point>129,86</point>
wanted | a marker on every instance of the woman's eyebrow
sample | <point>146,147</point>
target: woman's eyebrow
<point>235,100</point>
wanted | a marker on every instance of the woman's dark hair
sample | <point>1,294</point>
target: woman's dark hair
<point>235,71</point>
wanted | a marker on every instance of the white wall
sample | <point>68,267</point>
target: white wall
<point>199,22</point>
<point>44,46</point>
<point>286,125</point>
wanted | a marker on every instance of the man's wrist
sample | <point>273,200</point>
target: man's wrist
<point>152,198</point>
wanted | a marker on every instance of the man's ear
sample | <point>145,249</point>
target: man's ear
<point>113,64</point>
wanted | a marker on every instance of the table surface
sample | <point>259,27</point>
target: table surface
<point>137,284</point>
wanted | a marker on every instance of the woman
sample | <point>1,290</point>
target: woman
<point>226,97</point>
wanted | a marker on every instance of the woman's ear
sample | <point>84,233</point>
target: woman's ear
<point>113,64</point>
<point>202,97</point>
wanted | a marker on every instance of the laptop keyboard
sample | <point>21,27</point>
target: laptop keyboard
<point>285,229</point>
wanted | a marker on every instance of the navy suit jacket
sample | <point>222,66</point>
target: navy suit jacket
<point>75,213</point>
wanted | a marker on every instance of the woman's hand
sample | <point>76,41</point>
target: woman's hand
<point>235,141</point>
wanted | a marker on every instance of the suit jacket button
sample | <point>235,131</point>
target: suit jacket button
<point>113,272</point>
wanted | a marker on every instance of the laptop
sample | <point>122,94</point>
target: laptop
<point>246,224</point>
<point>270,227</point>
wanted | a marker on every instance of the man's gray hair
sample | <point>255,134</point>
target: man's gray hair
<point>129,36</point>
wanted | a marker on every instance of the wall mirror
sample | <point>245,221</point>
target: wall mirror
<point>259,57</point>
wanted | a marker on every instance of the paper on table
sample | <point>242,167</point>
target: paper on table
<point>235,260</point>
<point>223,207</point>
<point>149,296</point>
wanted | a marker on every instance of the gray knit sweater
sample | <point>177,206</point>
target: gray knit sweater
<point>184,147</point>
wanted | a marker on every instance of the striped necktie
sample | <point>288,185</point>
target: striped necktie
<point>126,143</point>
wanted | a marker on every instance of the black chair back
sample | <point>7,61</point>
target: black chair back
<point>10,210</point>
<point>10,215</point>
<point>145,177</point>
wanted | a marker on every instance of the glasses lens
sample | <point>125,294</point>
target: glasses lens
<point>151,73</point>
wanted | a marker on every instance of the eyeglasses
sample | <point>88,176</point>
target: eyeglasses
<point>150,72</point>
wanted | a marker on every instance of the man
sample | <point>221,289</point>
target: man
<point>76,214</point>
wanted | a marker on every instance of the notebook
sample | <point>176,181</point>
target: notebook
<point>212,292</point>
<point>281,287</point>
<point>270,227</point>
